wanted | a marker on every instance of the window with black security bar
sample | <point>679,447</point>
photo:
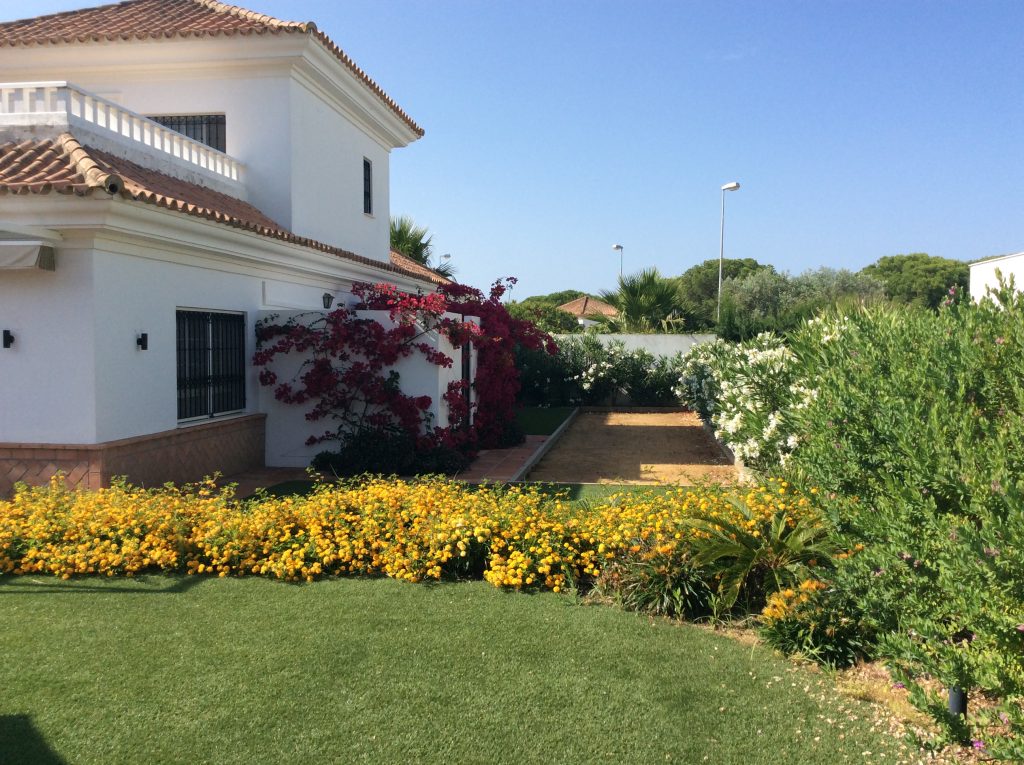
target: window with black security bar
<point>367,187</point>
<point>209,129</point>
<point>211,363</point>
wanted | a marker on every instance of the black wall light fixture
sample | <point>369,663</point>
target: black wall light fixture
<point>142,341</point>
<point>8,338</point>
<point>328,300</point>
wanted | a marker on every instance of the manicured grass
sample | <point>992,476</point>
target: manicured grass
<point>542,421</point>
<point>600,491</point>
<point>191,670</point>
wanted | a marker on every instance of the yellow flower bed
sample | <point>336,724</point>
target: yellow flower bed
<point>413,530</point>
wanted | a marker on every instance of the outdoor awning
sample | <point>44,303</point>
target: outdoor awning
<point>20,255</point>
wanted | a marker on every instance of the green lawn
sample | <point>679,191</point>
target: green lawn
<point>542,420</point>
<point>162,670</point>
<point>601,491</point>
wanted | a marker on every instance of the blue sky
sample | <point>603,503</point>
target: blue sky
<point>555,129</point>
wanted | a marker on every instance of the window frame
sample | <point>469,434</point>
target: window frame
<point>229,387</point>
<point>367,186</point>
<point>215,126</point>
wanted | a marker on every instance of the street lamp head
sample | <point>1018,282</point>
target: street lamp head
<point>617,247</point>
<point>730,186</point>
<point>446,256</point>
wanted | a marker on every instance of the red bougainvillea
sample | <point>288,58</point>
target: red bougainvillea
<point>348,379</point>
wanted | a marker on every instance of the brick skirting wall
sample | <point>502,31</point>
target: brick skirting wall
<point>228,446</point>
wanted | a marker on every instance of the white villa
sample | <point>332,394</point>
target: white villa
<point>171,171</point>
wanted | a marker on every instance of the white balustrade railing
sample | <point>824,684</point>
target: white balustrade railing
<point>27,102</point>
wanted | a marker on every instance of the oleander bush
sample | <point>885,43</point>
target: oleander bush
<point>911,422</point>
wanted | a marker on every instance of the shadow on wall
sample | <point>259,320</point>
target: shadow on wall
<point>20,742</point>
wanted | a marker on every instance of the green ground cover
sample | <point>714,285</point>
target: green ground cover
<point>542,420</point>
<point>163,669</point>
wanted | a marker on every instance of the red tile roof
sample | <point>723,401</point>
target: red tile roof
<point>64,166</point>
<point>408,264</point>
<point>157,19</point>
<point>585,306</point>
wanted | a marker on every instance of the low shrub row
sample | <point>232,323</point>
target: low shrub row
<point>723,544</point>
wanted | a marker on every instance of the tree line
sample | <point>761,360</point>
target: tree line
<point>755,296</point>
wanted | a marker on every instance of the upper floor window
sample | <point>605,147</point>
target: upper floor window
<point>205,128</point>
<point>367,186</point>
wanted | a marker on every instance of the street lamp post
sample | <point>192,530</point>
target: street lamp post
<point>721,248</point>
<point>619,248</point>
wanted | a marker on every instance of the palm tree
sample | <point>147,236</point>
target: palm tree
<point>646,302</point>
<point>415,242</point>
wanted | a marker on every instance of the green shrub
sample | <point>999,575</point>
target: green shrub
<point>911,423</point>
<point>650,580</point>
<point>587,372</point>
<point>917,429</point>
<point>754,557</point>
<point>817,621</point>
<point>388,453</point>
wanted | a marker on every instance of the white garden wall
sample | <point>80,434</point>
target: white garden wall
<point>658,345</point>
<point>983,274</point>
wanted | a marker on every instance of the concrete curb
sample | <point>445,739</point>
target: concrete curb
<point>538,455</point>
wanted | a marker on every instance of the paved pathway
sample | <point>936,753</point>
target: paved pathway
<point>501,464</point>
<point>635,447</point>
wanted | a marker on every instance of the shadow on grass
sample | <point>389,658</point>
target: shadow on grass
<point>20,742</point>
<point>23,585</point>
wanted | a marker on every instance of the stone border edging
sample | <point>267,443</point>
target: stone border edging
<point>538,455</point>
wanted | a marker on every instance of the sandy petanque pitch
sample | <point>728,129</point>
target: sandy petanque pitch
<point>669,447</point>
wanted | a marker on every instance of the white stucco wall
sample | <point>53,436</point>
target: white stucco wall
<point>47,380</point>
<point>136,391</point>
<point>327,178</point>
<point>983,274</point>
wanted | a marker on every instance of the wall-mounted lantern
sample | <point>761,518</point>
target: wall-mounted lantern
<point>142,341</point>
<point>8,338</point>
<point>328,301</point>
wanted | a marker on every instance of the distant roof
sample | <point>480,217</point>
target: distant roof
<point>163,19</point>
<point>585,306</point>
<point>64,166</point>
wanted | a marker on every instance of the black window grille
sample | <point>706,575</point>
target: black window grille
<point>367,187</point>
<point>205,128</point>
<point>211,363</point>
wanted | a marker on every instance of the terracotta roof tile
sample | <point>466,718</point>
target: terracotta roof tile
<point>585,306</point>
<point>155,19</point>
<point>408,264</point>
<point>65,166</point>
